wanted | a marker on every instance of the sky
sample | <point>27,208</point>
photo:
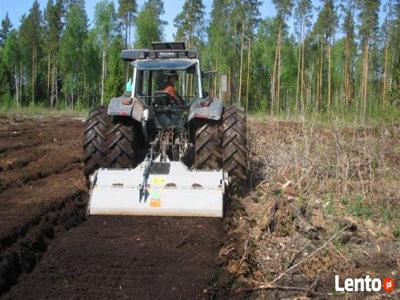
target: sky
<point>16,8</point>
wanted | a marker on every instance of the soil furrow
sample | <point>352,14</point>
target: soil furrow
<point>7,147</point>
<point>51,163</point>
<point>129,258</point>
<point>18,206</point>
<point>33,238</point>
<point>19,159</point>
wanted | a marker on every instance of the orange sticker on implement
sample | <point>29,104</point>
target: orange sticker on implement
<point>155,203</point>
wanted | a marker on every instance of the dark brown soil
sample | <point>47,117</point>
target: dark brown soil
<point>42,190</point>
<point>43,194</point>
<point>125,257</point>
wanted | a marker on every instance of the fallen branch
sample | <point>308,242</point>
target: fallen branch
<point>182,241</point>
<point>272,284</point>
<point>309,256</point>
<point>268,286</point>
<point>313,286</point>
<point>244,256</point>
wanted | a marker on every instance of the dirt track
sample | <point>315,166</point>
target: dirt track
<point>42,194</point>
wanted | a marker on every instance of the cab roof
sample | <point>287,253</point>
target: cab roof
<point>164,64</point>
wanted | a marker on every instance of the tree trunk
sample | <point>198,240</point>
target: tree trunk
<point>385,75</point>
<point>16,85</point>
<point>347,66</point>
<point>248,76</point>
<point>56,85</point>
<point>33,77</point>
<point>278,85</point>
<point>103,76</point>
<point>274,72</point>
<point>319,81</point>
<point>366,70</point>
<point>241,66</point>
<point>329,78</point>
<point>298,105</point>
<point>48,78</point>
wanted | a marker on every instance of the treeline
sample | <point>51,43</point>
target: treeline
<point>337,56</point>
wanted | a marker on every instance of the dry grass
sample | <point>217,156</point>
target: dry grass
<point>309,182</point>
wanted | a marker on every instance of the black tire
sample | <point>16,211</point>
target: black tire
<point>95,140</point>
<point>122,141</point>
<point>234,147</point>
<point>208,154</point>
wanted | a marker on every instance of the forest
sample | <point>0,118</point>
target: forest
<point>336,56</point>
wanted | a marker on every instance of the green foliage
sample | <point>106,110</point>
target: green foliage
<point>54,59</point>
<point>149,24</point>
<point>358,207</point>
<point>5,29</point>
<point>114,84</point>
<point>396,232</point>
<point>105,21</point>
<point>127,12</point>
<point>189,23</point>
<point>72,52</point>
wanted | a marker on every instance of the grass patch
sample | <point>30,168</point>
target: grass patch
<point>34,111</point>
<point>345,117</point>
<point>396,232</point>
<point>329,205</point>
<point>358,207</point>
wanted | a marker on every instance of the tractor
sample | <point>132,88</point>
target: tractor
<point>165,147</point>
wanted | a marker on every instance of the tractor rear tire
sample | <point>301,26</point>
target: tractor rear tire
<point>208,153</point>
<point>121,146</point>
<point>95,140</point>
<point>234,147</point>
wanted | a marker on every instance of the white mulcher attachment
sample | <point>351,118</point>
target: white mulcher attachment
<point>157,188</point>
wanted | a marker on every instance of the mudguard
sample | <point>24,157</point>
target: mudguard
<point>126,106</point>
<point>209,108</point>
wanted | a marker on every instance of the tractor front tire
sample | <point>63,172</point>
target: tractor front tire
<point>208,153</point>
<point>95,140</point>
<point>234,147</point>
<point>121,146</point>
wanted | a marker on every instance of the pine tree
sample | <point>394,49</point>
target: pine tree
<point>349,51</point>
<point>72,53</point>
<point>284,10</point>
<point>395,88</point>
<point>5,29</point>
<point>149,26</point>
<point>388,29</point>
<point>114,83</point>
<point>31,31</point>
<point>53,16</point>
<point>127,12</point>
<point>189,22</point>
<point>369,18</point>
<point>92,67</point>
<point>12,63</point>
<point>105,21</point>
<point>303,14</point>
<point>220,45</point>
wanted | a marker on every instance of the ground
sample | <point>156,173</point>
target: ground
<point>324,201</point>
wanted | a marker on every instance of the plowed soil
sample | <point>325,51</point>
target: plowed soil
<point>128,258</point>
<point>43,195</point>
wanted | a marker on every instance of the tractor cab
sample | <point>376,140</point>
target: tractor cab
<point>167,75</point>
